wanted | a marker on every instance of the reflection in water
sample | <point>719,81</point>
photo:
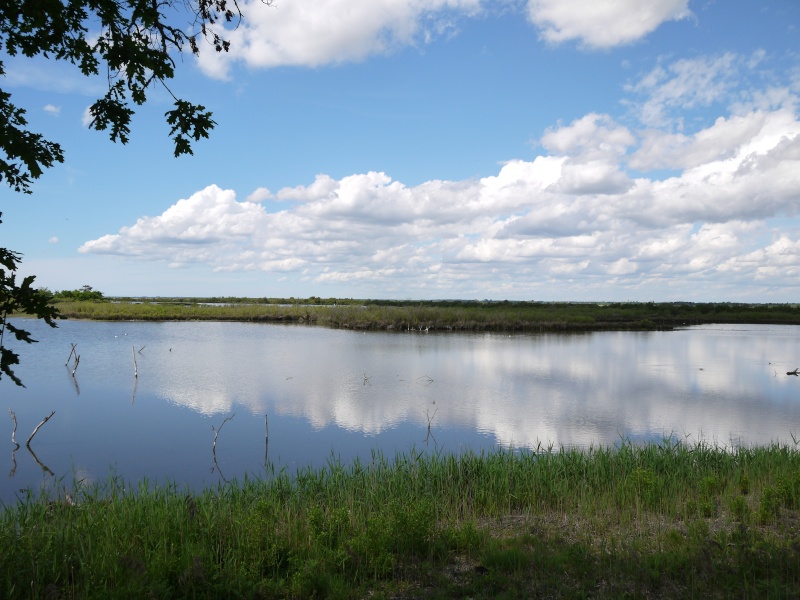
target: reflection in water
<point>524,390</point>
<point>214,447</point>
<point>44,467</point>
<point>342,391</point>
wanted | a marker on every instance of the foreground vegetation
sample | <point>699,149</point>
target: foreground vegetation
<point>432,315</point>
<point>658,521</point>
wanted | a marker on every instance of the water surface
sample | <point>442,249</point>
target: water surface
<point>321,393</point>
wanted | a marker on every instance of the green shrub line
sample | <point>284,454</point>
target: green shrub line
<point>660,520</point>
<point>435,315</point>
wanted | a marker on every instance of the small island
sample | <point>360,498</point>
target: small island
<point>423,315</point>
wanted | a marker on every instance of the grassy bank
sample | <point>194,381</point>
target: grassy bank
<point>437,315</point>
<point>657,521</point>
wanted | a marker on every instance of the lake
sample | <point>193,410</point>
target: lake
<point>214,402</point>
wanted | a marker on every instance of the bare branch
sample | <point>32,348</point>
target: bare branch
<point>45,420</point>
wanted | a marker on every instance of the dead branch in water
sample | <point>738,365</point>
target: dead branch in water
<point>424,380</point>
<point>214,447</point>
<point>77,360</point>
<point>216,433</point>
<point>430,418</point>
<point>135,368</point>
<point>45,420</point>
<point>796,372</point>
<point>14,431</point>
<point>266,439</point>
<point>71,352</point>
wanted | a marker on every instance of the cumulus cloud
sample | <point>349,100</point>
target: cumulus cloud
<point>317,32</point>
<point>602,24</point>
<point>639,206</point>
<point>259,195</point>
<point>52,109</point>
<point>529,229</point>
<point>312,33</point>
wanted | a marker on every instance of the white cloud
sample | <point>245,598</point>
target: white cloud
<point>319,32</point>
<point>594,144</point>
<point>725,213</point>
<point>685,84</point>
<point>727,138</point>
<point>52,109</point>
<point>259,195</point>
<point>53,240</point>
<point>86,117</point>
<point>602,24</point>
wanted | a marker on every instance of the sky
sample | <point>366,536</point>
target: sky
<point>577,150</point>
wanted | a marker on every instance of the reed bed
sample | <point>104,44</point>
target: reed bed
<point>441,315</point>
<point>663,520</point>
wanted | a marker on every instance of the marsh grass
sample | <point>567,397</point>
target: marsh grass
<point>440,315</point>
<point>661,520</point>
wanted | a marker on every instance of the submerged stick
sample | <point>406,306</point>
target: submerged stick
<point>430,418</point>
<point>14,431</point>
<point>71,352</point>
<point>214,447</point>
<point>45,420</point>
<point>77,360</point>
<point>216,433</point>
<point>135,368</point>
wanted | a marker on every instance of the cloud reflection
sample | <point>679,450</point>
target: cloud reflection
<point>725,385</point>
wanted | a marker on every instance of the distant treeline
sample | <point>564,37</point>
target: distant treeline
<point>433,315</point>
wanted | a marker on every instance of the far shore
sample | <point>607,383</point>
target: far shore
<point>435,315</point>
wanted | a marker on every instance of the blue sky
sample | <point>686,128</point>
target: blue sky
<point>535,150</point>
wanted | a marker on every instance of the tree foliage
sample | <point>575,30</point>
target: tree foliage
<point>134,45</point>
<point>15,298</point>
<point>85,294</point>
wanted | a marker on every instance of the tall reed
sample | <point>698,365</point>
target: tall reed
<point>667,519</point>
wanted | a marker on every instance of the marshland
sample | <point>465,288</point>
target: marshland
<point>404,450</point>
<point>438,315</point>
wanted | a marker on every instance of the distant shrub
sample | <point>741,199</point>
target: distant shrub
<point>83,294</point>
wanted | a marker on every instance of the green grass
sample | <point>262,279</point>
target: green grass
<point>662,520</point>
<point>439,315</point>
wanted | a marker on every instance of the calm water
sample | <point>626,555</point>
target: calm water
<point>344,394</point>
